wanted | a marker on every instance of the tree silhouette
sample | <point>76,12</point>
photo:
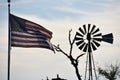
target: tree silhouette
<point>74,61</point>
<point>111,73</point>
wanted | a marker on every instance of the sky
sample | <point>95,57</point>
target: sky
<point>59,16</point>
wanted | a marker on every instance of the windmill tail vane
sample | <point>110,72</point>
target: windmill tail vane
<point>108,38</point>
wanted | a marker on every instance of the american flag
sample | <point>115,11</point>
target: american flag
<point>28,34</point>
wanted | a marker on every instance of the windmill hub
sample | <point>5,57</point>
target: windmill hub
<point>88,36</point>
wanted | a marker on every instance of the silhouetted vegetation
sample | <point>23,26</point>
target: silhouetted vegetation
<point>58,78</point>
<point>111,72</point>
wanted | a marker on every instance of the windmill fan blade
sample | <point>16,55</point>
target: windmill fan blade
<point>84,27</point>
<point>81,30</point>
<point>97,35</point>
<point>98,39</point>
<point>81,46</point>
<point>96,31</point>
<point>92,28</point>
<point>108,38</point>
<point>79,34</point>
<point>78,38</point>
<point>93,46</point>
<point>89,48</point>
<point>79,42</point>
<point>89,27</point>
<point>85,48</point>
<point>96,43</point>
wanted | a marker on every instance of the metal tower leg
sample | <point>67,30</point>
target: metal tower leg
<point>90,65</point>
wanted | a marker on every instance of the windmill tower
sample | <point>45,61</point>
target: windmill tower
<point>87,39</point>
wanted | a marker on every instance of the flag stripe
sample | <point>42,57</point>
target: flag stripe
<point>24,43</point>
<point>36,26</point>
<point>29,41</point>
<point>32,31</point>
<point>28,36</point>
<point>30,46</point>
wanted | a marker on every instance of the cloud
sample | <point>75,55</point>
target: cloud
<point>21,1</point>
<point>72,10</point>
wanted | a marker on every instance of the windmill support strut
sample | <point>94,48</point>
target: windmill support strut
<point>91,67</point>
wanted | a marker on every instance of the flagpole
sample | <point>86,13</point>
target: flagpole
<point>9,41</point>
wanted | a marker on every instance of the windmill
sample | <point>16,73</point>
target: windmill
<point>88,39</point>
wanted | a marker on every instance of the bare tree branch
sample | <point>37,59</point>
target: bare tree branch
<point>80,56</point>
<point>70,37</point>
<point>71,42</point>
<point>74,61</point>
<point>58,49</point>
